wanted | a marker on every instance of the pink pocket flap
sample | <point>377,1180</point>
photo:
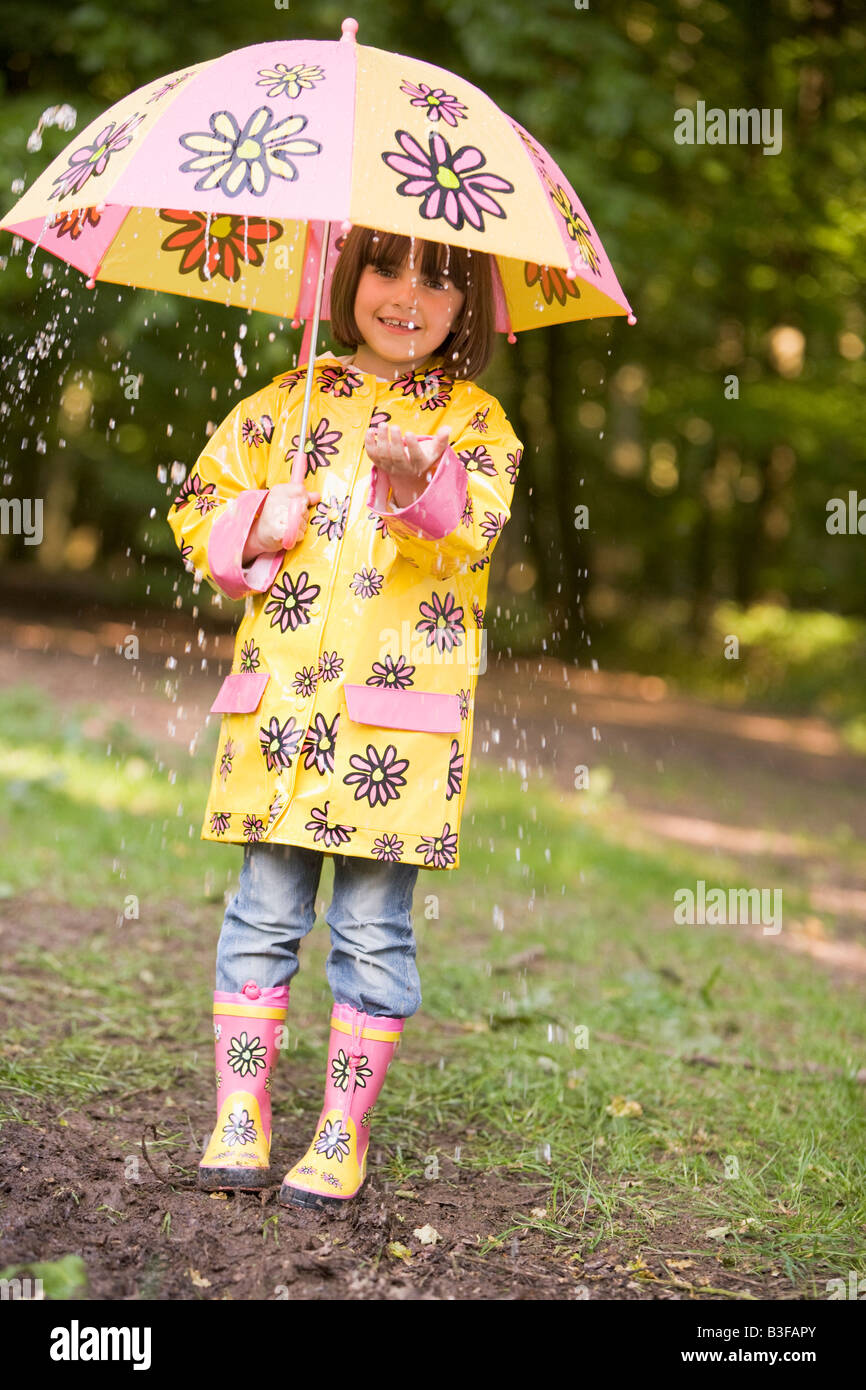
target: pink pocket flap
<point>426,710</point>
<point>240,693</point>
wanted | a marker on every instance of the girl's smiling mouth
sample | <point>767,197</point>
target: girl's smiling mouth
<point>399,325</point>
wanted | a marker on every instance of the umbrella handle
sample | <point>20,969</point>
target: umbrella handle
<point>297,507</point>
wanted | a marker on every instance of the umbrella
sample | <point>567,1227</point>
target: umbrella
<point>233,180</point>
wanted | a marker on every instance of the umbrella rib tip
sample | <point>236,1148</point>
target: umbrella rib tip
<point>349,30</point>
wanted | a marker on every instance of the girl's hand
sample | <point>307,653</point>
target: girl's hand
<point>405,456</point>
<point>266,534</point>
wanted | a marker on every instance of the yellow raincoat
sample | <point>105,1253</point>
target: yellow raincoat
<point>348,715</point>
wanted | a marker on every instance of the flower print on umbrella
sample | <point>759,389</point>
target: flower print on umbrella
<point>193,487</point>
<point>253,829</point>
<point>388,848</point>
<point>329,835</point>
<point>329,518</point>
<point>341,381</point>
<point>250,657</point>
<point>432,388</point>
<point>219,822</point>
<point>89,161</point>
<point>439,850</point>
<point>238,160</point>
<point>279,742</point>
<point>341,1070</point>
<point>367,583</point>
<point>553,282</point>
<point>378,776</point>
<point>218,246</point>
<point>72,224</point>
<point>451,185</point>
<point>167,87</point>
<point>441,622</point>
<point>281,80</point>
<point>318,749</point>
<point>240,1129</point>
<point>578,230</point>
<point>333,1141</point>
<point>305,681</point>
<point>512,467</point>
<point>330,666</point>
<point>323,442</point>
<point>291,601</point>
<point>492,524</point>
<point>246,1056</point>
<point>463,697</point>
<point>436,102</point>
<point>226,760</point>
<point>477,460</point>
<point>391,674</point>
<point>468,510</point>
<point>455,771</point>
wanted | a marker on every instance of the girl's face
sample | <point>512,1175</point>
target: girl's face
<point>431,304</point>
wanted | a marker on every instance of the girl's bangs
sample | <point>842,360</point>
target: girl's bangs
<point>389,250</point>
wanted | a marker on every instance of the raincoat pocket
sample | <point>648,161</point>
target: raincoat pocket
<point>240,693</point>
<point>426,711</point>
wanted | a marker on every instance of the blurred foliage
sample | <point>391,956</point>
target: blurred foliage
<point>738,263</point>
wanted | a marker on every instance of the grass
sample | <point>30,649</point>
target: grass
<point>516,1067</point>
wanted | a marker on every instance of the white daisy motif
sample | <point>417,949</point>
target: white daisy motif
<point>239,160</point>
<point>333,1141</point>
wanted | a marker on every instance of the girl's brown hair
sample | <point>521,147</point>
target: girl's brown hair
<point>469,346</point>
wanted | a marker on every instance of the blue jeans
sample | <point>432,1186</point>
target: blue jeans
<point>371,964</point>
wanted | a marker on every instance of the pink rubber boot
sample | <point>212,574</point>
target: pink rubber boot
<point>246,1030</point>
<point>335,1165</point>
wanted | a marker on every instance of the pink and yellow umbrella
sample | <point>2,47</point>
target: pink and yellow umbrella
<point>226,180</point>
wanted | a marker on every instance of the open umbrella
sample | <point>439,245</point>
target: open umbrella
<point>232,180</point>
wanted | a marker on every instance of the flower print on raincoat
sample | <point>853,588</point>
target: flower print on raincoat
<point>348,714</point>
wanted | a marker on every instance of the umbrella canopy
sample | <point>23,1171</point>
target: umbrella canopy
<point>222,181</point>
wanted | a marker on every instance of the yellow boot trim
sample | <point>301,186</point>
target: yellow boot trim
<point>338,1176</point>
<point>249,1011</point>
<point>238,1140</point>
<point>377,1034</point>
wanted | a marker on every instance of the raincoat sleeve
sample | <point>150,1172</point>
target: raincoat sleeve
<point>456,521</point>
<point>213,513</point>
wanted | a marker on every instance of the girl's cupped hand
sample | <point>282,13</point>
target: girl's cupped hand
<point>404,455</point>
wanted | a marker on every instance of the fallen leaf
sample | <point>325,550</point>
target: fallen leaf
<point>538,1212</point>
<point>680,1264</point>
<point>718,1232</point>
<point>621,1107</point>
<point>405,1192</point>
<point>428,1235</point>
<point>219,1196</point>
<point>197,1279</point>
<point>398,1251</point>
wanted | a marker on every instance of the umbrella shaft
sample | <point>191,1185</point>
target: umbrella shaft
<point>299,466</point>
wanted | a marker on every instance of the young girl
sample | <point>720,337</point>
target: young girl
<point>348,715</point>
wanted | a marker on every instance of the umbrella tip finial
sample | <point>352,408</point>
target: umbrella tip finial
<point>631,320</point>
<point>346,227</point>
<point>512,338</point>
<point>350,29</point>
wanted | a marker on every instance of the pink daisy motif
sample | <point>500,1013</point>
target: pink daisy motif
<point>439,850</point>
<point>378,776</point>
<point>438,105</point>
<point>441,622</point>
<point>89,161</point>
<point>451,185</point>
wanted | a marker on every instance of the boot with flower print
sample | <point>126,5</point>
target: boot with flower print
<point>335,1165</point>
<point>246,1031</point>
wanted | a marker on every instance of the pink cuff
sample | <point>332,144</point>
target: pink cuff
<point>439,508</point>
<point>229,535</point>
